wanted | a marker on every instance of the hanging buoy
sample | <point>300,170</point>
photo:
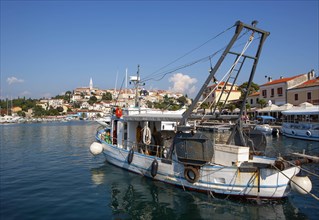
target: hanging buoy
<point>96,148</point>
<point>154,168</point>
<point>130,156</point>
<point>147,135</point>
<point>301,184</point>
<point>118,112</point>
<point>308,133</point>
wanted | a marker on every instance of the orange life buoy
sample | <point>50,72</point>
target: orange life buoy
<point>118,112</point>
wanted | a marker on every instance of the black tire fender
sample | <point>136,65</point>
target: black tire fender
<point>154,168</point>
<point>130,156</point>
<point>191,174</point>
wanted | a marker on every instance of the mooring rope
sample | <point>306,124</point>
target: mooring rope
<point>303,169</point>
<point>311,194</point>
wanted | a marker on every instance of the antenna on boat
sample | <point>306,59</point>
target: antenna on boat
<point>136,80</point>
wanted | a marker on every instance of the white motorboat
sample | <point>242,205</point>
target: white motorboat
<point>302,122</point>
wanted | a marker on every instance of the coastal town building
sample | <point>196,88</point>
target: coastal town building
<point>215,92</point>
<point>253,99</point>
<point>276,91</point>
<point>306,92</point>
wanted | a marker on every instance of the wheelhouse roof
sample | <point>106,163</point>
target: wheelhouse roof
<point>153,117</point>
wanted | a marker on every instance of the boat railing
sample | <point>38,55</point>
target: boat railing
<point>160,151</point>
<point>301,125</point>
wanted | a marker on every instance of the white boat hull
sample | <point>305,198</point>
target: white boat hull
<point>301,131</point>
<point>213,178</point>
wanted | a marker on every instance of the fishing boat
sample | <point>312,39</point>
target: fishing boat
<point>164,146</point>
<point>302,122</point>
<point>104,121</point>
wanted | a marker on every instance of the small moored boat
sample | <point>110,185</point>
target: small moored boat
<point>302,122</point>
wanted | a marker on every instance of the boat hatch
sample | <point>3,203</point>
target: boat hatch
<point>193,148</point>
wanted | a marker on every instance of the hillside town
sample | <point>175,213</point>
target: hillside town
<point>89,102</point>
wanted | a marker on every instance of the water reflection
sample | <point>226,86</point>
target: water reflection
<point>140,198</point>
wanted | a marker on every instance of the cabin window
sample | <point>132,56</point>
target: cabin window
<point>272,92</point>
<point>279,91</point>
<point>264,93</point>
<point>309,95</point>
<point>296,97</point>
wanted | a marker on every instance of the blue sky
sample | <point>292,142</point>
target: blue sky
<point>49,47</point>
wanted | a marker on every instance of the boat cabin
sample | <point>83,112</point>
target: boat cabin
<point>265,119</point>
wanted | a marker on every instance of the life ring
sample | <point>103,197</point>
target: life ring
<point>191,174</point>
<point>154,168</point>
<point>130,156</point>
<point>308,133</point>
<point>118,112</point>
<point>147,135</point>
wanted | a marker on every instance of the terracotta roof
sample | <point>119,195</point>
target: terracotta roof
<point>220,84</point>
<point>226,90</point>
<point>255,94</point>
<point>223,83</point>
<point>309,83</point>
<point>281,80</point>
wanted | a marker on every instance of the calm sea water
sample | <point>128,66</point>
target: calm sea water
<point>47,172</point>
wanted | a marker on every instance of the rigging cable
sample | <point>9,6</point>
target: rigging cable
<point>228,72</point>
<point>191,51</point>
<point>163,74</point>
<point>303,169</point>
<point>311,194</point>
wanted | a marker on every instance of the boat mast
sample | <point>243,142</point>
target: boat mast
<point>212,72</point>
<point>136,80</point>
<point>238,126</point>
<point>239,27</point>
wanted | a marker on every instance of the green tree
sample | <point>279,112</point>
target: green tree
<point>219,106</point>
<point>182,100</point>
<point>149,104</point>
<point>204,106</point>
<point>248,107</point>
<point>231,107</point>
<point>262,103</point>
<point>38,111</point>
<point>253,88</point>
<point>76,105</point>
<point>21,113</point>
<point>60,109</point>
<point>107,96</point>
<point>67,96</point>
<point>92,100</point>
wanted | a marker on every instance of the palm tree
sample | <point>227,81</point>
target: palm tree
<point>262,103</point>
<point>204,106</point>
<point>231,107</point>
<point>220,106</point>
